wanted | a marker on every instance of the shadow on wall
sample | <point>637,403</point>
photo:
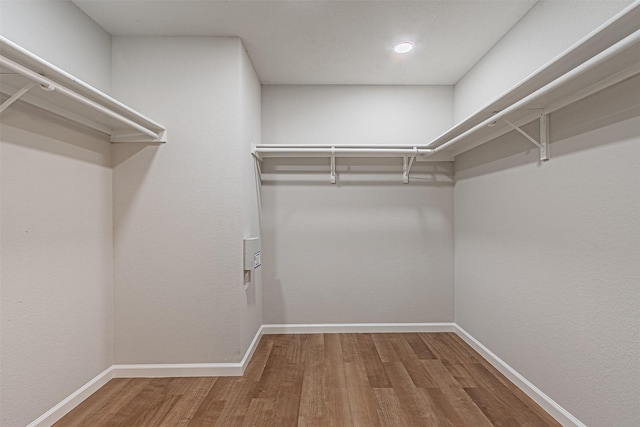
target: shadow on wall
<point>131,164</point>
<point>36,129</point>
<point>614,105</point>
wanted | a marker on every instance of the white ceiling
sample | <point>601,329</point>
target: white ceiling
<point>330,42</point>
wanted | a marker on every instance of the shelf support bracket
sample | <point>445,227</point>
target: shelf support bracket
<point>333,165</point>
<point>16,96</point>
<point>543,144</point>
<point>258,163</point>
<point>544,137</point>
<point>407,162</point>
<point>255,154</point>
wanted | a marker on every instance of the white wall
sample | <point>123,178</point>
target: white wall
<point>368,249</point>
<point>250,134</point>
<point>549,28</point>
<point>179,295</point>
<point>547,256</point>
<point>56,290</point>
<point>62,34</point>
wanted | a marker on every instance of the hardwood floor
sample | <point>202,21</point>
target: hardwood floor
<point>414,379</point>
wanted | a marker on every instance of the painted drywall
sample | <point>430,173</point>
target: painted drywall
<point>61,34</point>
<point>369,248</point>
<point>547,256</point>
<point>250,134</point>
<point>549,28</point>
<point>178,220</point>
<point>56,255</point>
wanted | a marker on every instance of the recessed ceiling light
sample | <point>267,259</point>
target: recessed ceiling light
<point>403,47</point>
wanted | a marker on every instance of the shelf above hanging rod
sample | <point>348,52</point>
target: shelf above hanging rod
<point>607,56</point>
<point>375,150</point>
<point>408,153</point>
<point>30,79</point>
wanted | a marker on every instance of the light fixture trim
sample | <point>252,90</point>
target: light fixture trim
<point>404,46</point>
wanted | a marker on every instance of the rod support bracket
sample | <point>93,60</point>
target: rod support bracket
<point>407,162</point>
<point>333,165</point>
<point>255,153</point>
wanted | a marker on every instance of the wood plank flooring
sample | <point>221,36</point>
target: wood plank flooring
<point>413,379</point>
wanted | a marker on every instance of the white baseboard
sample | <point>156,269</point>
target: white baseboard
<point>351,328</point>
<point>146,371</point>
<point>167,370</point>
<point>556,411</point>
<point>73,400</point>
<point>252,348</point>
<point>189,369</point>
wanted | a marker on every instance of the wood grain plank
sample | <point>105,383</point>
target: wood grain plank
<point>288,397</point>
<point>389,408</point>
<point>149,397</point>
<point>314,349</point>
<point>260,413</point>
<point>371,360</point>
<point>156,414</point>
<point>361,398</point>
<point>463,350</point>
<point>208,413</point>
<point>277,368</point>
<point>333,361</point>
<point>495,411</point>
<point>259,359</point>
<point>440,345</point>
<point>463,405</point>
<point>461,374</point>
<point>414,366</point>
<point>192,392</point>
<point>312,394</point>
<point>212,406</point>
<point>444,410</point>
<point>337,408</point>
<point>238,394</point>
<point>419,347</point>
<point>512,388</point>
<point>418,410</point>
<point>455,408</point>
<point>440,376</point>
<point>107,399</point>
<point>385,347</point>
<point>349,348</point>
<point>526,411</point>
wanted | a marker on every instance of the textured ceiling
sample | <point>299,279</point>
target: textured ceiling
<point>330,42</point>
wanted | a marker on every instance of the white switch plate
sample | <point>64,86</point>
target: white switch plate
<point>251,253</point>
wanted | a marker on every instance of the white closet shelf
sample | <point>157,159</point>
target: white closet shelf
<point>30,79</point>
<point>324,150</point>
<point>408,153</point>
<point>608,55</point>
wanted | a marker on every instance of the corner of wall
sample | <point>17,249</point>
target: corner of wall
<point>250,134</point>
